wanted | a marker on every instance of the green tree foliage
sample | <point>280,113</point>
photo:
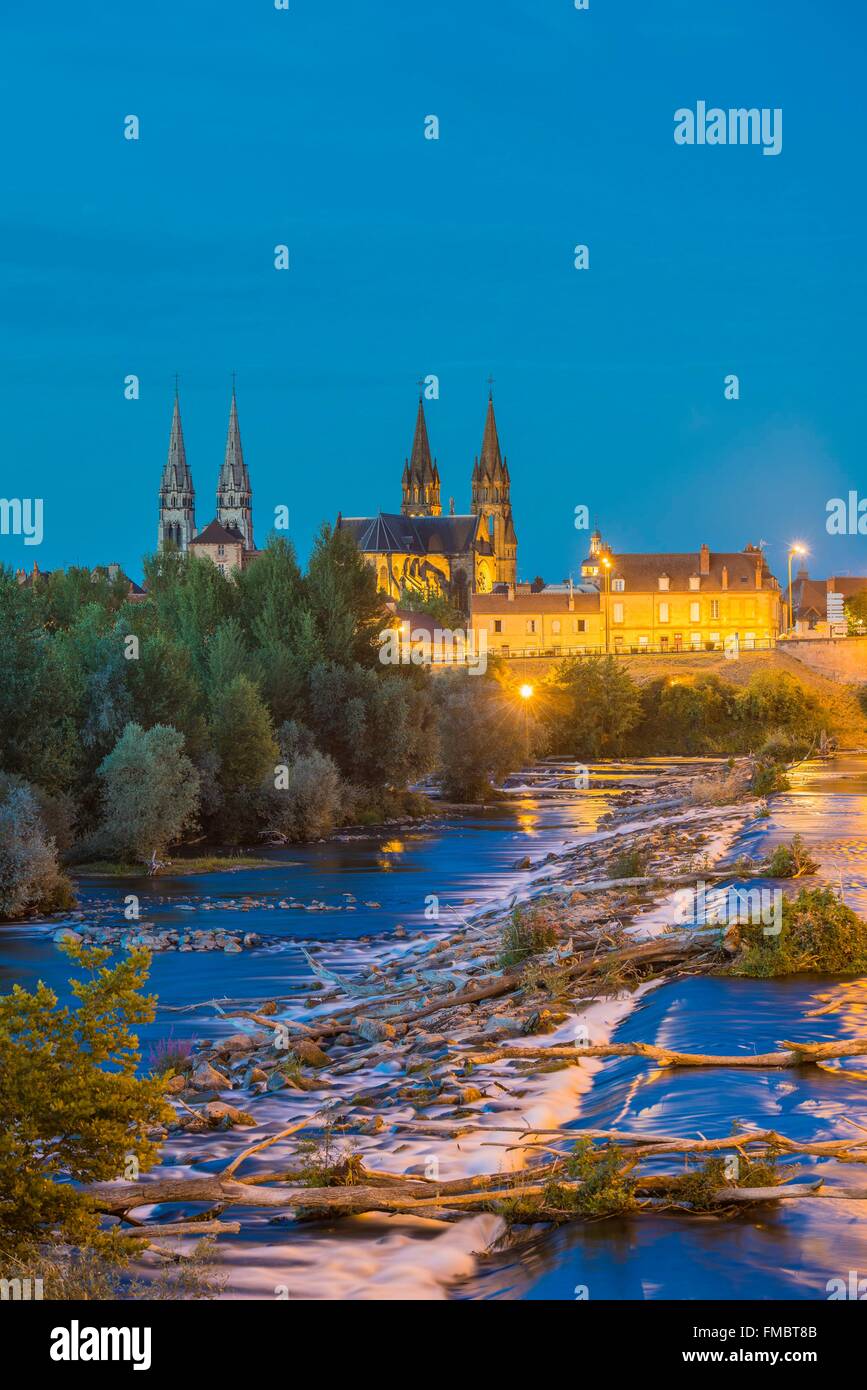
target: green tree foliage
<point>595,706</point>
<point>73,1109</point>
<point>30,880</point>
<point>243,736</point>
<point>150,792</point>
<point>483,735</point>
<point>305,803</point>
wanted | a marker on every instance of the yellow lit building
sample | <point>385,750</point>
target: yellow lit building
<point>704,600</point>
<point>627,604</point>
<point>558,620</point>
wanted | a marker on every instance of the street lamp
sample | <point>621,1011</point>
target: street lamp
<point>795,549</point>
<point>526,693</point>
<point>606,565</point>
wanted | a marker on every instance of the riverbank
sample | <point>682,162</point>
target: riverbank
<point>370,1085</point>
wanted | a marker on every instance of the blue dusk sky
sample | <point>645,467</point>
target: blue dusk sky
<point>451,257</point>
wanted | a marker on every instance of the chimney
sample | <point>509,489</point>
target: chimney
<point>704,560</point>
<point>571,596</point>
<point>725,576</point>
<point>758,573</point>
<point>451,506</point>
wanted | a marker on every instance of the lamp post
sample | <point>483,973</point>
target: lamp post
<point>526,694</point>
<point>796,549</point>
<point>606,565</point>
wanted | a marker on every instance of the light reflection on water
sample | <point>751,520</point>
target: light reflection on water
<point>371,882</point>
<point>788,1252</point>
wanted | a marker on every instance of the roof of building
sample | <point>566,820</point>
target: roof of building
<point>542,602</point>
<point>176,473</point>
<point>215,533</point>
<point>420,470</point>
<point>642,572</point>
<point>390,532</point>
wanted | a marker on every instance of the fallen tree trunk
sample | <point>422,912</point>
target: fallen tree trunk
<point>796,1054</point>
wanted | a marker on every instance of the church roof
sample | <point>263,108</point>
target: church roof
<point>233,474</point>
<point>215,533</point>
<point>490,465</point>
<point>413,535</point>
<point>176,473</point>
<point>421,469</point>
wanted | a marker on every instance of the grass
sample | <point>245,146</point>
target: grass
<point>174,868</point>
<point>629,863</point>
<point>819,934</point>
<point>790,861</point>
<point>528,932</point>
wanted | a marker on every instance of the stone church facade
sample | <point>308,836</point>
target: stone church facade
<point>227,540</point>
<point>420,552</point>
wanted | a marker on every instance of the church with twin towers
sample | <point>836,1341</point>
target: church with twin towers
<point>228,538</point>
<point>418,551</point>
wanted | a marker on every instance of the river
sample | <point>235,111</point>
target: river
<point>347,896</point>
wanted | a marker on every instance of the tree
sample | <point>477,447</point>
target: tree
<point>596,705</point>
<point>150,791</point>
<point>30,880</point>
<point>74,1110</point>
<point>342,595</point>
<point>243,736</point>
<point>482,736</point>
<point>305,802</point>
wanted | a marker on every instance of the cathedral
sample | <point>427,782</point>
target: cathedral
<point>421,552</point>
<point>228,538</point>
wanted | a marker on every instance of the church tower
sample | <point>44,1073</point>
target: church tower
<point>490,493</point>
<point>421,478</point>
<point>177,512</point>
<point>234,493</point>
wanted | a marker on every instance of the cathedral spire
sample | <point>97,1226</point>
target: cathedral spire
<point>421,479</point>
<point>491,460</point>
<point>177,520</point>
<point>234,493</point>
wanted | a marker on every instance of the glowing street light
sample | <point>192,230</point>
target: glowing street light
<point>606,565</point>
<point>794,549</point>
<point>525,692</point>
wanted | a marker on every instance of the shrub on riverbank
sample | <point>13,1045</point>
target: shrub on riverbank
<point>790,861</point>
<point>73,1108</point>
<point>819,933</point>
<point>529,931</point>
<point>30,879</point>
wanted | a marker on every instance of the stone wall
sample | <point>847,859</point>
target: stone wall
<point>841,658</point>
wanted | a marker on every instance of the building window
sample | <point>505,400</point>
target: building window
<point>531,625</point>
<point>695,639</point>
<point>714,637</point>
<point>714,608</point>
<point>498,625</point>
<point>694,581</point>
<point>579,624</point>
<point>695,612</point>
<point>663,613</point>
<point>555,627</point>
<point>618,612</point>
<point>663,582</point>
<point>618,585</point>
<point>642,641</point>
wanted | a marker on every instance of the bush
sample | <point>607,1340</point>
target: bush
<point>150,792</point>
<point>74,1110</point>
<point>594,706</point>
<point>306,802</point>
<point>629,863</point>
<point>30,880</point>
<point>767,779</point>
<point>528,932</point>
<point>790,861</point>
<point>819,933</point>
<point>783,746</point>
<point>484,735</point>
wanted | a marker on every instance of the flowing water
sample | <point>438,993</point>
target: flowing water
<point>347,896</point>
